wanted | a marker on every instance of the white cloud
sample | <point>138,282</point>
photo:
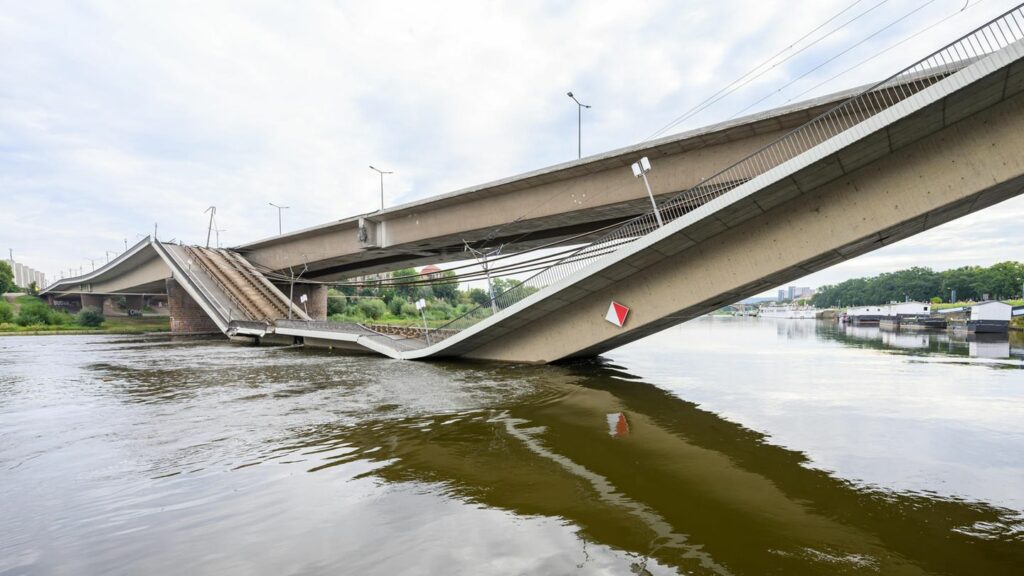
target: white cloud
<point>117,115</point>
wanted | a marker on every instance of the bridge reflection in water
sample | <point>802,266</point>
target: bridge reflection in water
<point>683,488</point>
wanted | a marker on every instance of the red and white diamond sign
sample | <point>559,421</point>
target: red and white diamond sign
<point>616,314</point>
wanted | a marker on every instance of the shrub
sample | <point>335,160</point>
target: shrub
<point>336,304</point>
<point>89,317</point>
<point>410,310</point>
<point>34,314</point>
<point>372,309</point>
<point>396,306</point>
<point>439,310</point>
<point>58,318</point>
<point>6,313</point>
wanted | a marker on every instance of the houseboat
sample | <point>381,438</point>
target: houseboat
<point>864,315</point>
<point>991,317</point>
<point>910,316</point>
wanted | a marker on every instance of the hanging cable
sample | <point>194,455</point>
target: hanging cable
<point>833,58</point>
<point>725,90</point>
<point>896,45</point>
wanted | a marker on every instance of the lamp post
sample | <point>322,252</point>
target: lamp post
<point>382,173</point>
<point>279,208</point>
<point>640,170</point>
<point>579,124</point>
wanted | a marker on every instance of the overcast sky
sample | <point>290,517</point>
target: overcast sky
<point>117,115</point>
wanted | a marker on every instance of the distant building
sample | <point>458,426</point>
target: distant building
<point>24,276</point>
<point>431,271</point>
<point>795,293</point>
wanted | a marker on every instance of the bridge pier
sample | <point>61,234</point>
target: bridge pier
<point>94,301</point>
<point>136,303</point>
<point>316,303</point>
<point>187,316</point>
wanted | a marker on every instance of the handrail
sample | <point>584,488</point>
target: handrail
<point>198,285</point>
<point>239,306</point>
<point>987,39</point>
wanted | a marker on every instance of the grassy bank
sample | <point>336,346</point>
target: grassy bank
<point>109,326</point>
<point>22,314</point>
<point>945,306</point>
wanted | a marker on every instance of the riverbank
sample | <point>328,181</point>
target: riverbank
<point>116,325</point>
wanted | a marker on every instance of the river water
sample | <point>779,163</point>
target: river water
<point>723,446</point>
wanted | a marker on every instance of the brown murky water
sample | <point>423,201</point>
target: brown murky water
<point>725,446</point>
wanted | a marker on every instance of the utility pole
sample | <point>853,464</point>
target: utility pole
<point>579,125</point>
<point>92,261</point>
<point>481,257</point>
<point>382,173</point>
<point>291,286</point>
<point>279,208</point>
<point>213,212</point>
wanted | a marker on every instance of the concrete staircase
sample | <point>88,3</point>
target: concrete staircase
<point>253,298</point>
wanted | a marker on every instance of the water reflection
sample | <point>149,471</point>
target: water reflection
<point>134,455</point>
<point>993,346</point>
<point>685,487</point>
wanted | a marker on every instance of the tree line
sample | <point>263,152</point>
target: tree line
<point>391,301</point>
<point>999,281</point>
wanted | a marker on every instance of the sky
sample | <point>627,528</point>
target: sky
<point>116,117</point>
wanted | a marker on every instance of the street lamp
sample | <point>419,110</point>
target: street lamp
<point>640,170</point>
<point>579,124</point>
<point>279,208</point>
<point>382,173</point>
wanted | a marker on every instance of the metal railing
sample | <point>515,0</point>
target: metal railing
<point>242,310</point>
<point>987,39</point>
<point>221,309</point>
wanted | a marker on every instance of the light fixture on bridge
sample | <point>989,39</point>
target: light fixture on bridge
<point>279,208</point>
<point>579,124</point>
<point>382,173</point>
<point>640,170</point>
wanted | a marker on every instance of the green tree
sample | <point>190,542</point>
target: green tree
<point>403,283</point>
<point>6,278</point>
<point>447,290</point>
<point>478,296</point>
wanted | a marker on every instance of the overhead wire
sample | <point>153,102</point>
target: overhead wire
<point>833,58</point>
<point>711,100</point>
<point>894,46</point>
<point>743,80</point>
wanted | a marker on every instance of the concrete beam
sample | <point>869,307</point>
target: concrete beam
<point>961,168</point>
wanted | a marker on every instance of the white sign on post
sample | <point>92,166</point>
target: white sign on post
<point>303,298</point>
<point>421,304</point>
